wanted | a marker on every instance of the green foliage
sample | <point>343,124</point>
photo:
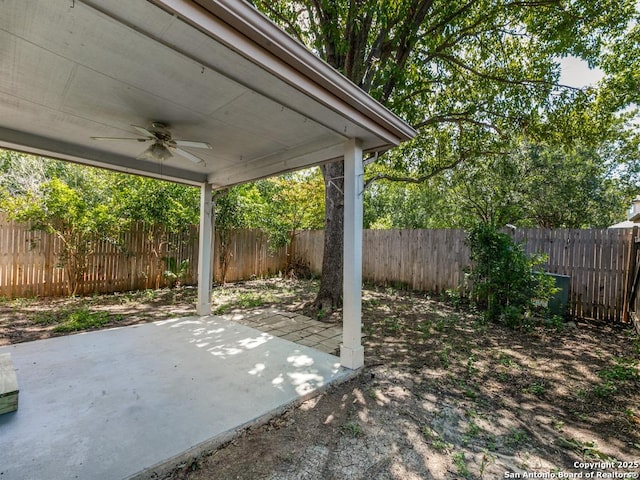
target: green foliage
<point>460,463</point>
<point>504,278</point>
<point>625,369</point>
<point>155,202</point>
<point>83,206</point>
<point>66,200</point>
<point>353,429</point>
<point>176,273</point>
<point>532,185</point>
<point>83,319</point>
<point>75,319</point>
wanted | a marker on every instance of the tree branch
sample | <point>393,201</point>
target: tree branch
<point>488,76</point>
<point>457,118</point>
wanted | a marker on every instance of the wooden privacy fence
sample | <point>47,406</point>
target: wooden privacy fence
<point>434,260</point>
<point>599,262</point>
<point>30,260</point>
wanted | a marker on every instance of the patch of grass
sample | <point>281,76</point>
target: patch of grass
<point>558,425</point>
<point>48,318</point>
<point>516,437</point>
<point>440,445</point>
<point>605,389</point>
<point>471,370</point>
<point>425,330</point>
<point>373,393</point>
<point>393,324</point>
<point>624,370</point>
<point>588,450</point>
<point>506,361</point>
<point>244,300</point>
<point>147,295</point>
<point>538,389</point>
<point>83,319</point>
<point>352,428</point>
<point>473,430</point>
<point>460,464</point>
<point>444,356</point>
<point>222,309</point>
<point>252,299</point>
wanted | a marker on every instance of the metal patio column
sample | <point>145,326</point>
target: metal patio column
<point>351,350</point>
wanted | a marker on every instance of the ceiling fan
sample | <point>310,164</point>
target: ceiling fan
<point>163,145</point>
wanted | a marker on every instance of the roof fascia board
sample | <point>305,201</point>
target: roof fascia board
<point>251,34</point>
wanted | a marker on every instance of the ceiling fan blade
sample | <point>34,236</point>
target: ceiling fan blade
<point>143,131</point>
<point>188,156</point>
<point>191,144</point>
<point>122,138</point>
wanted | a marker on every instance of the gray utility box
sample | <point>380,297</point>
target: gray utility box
<point>560,301</point>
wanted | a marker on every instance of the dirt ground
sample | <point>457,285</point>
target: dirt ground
<point>443,395</point>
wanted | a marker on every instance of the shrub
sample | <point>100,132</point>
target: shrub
<point>506,282</point>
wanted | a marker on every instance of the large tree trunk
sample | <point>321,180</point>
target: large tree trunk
<point>330,293</point>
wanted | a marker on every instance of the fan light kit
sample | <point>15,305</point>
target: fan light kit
<point>163,145</point>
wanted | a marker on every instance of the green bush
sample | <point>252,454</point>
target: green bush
<point>507,283</point>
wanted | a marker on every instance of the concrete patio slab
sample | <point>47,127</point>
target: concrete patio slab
<point>129,402</point>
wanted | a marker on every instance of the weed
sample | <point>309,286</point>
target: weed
<point>487,459</point>
<point>222,309</point>
<point>460,464</point>
<point>251,300</point>
<point>516,437</point>
<point>393,324</point>
<point>453,297</point>
<point>506,361</point>
<point>492,444</point>
<point>440,445</point>
<point>473,430</point>
<point>580,416</point>
<point>48,318</point>
<point>557,424</point>
<point>470,393</point>
<point>425,330</point>
<point>536,389</point>
<point>373,393</point>
<point>82,319</point>
<point>351,428</point>
<point>444,356</point>
<point>585,449</point>
<point>624,370</point>
<point>555,322</point>
<point>147,295</point>
<point>471,370</point>
<point>605,389</point>
<point>371,302</point>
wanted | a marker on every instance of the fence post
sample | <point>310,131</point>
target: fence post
<point>630,275</point>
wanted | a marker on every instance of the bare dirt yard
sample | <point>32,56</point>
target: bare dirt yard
<point>443,394</point>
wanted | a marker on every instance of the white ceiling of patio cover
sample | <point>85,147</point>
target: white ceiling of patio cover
<point>70,70</point>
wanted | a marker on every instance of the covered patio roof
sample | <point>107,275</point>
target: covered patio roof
<point>214,71</point>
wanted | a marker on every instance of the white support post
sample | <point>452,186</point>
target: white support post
<point>205,251</point>
<point>351,350</point>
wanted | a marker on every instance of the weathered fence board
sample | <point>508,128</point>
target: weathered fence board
<point>29,260</point>
<point>597,261</point>
<point>435,260</point>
